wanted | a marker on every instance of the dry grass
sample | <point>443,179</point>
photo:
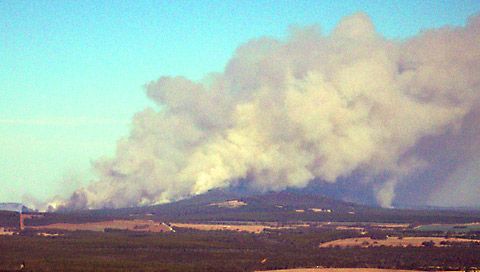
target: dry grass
<point>252,228</point>
<point>229,204</point>
<point>391,225</point>
<point>349,228</point>
<point>132,225</point>
<point>3,231</point>
<point>206,227</point>
<point>392,241</point>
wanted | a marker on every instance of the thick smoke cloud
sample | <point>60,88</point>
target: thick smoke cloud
<point>288,112</point>
<point>461,186</point>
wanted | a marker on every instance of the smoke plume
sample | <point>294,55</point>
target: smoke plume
<point>284,113</point>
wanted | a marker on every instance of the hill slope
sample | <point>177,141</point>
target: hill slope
<point>284,206</point>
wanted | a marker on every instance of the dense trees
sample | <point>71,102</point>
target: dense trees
<point>9,219</point>
<point>218,251</point>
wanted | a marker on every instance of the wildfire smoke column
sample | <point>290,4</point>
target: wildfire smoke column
<point>284,113</point>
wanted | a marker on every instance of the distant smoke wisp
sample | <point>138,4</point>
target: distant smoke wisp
<point>287,112</point>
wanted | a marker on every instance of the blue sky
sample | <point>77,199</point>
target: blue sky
<point>71,72</point>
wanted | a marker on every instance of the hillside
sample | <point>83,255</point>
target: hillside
<point>219,205</point>
<point>8,219</point>
<point>14,207</point>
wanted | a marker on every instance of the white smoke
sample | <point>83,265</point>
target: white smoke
<point>286,112</point>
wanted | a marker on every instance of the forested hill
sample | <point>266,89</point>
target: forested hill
<point>222,205</point>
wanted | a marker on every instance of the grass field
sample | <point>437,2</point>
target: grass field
<point>251,228</point>
<point>230,227</point>
<point>132,225</point>
<point>395,242</point>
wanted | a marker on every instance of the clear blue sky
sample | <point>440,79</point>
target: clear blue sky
<point>71,72</point>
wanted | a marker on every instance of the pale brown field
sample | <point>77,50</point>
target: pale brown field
<point>392,241</point>
<point>349,228</point>
<point>206,227</point>
<point>6,232</point>
<point>342,270</point>
<point>390,225</point>
<point>132,225</point>
<point>252,228</point>
<point>229,204</point>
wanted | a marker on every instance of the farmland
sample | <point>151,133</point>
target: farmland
<point>245,227</point>
<point>188,249</point>
<point>132,225</point>
<point>396,242</point>
<point>221,233</point>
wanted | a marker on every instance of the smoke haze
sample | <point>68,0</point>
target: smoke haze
<point>310,108</point>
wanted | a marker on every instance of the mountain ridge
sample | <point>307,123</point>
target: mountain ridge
<point>285,206</point>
